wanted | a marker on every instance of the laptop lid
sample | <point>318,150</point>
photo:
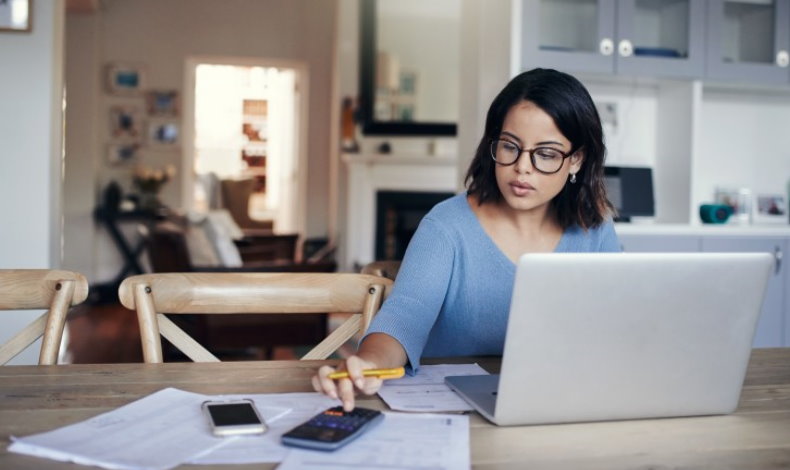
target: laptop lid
<point>595,336</point>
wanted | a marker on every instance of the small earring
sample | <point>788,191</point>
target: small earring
<point>573,178</point>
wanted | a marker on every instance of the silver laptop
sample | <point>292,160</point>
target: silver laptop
<point>596,336</point>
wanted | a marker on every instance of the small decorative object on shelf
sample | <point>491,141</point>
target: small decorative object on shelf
<point>149,182</point>
<point>348,126</point>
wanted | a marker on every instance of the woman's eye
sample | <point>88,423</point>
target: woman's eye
<point>548,154</point>
<point>509,147</point>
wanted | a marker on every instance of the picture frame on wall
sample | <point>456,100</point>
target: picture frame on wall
<point>126,78</point>
<point>125,122</point>
<point>163,132</point>
<point>16,16</point>
<point>770,209</point>
<point>162,103</point>
<point>121,153</point>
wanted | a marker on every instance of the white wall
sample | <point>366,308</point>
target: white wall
<point>31,80</point>
<point>161,34</point>
<point>744,142</point>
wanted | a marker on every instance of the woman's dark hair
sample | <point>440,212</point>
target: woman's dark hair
<point>565,99</point>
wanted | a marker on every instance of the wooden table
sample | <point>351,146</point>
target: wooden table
<point>40,398</point>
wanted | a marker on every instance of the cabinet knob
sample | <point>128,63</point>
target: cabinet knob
<point>625,48</point>
<point>778,258</point>
<point>782,59</point>
<point>606,46</point>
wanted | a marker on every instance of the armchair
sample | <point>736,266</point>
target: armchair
<point>236,199</point>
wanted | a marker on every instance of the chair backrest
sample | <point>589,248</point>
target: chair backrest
<point>30,289</point>
<point>151,295</point>
<point>388,269</point>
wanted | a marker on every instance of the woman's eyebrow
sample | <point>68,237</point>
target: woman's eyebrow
<point>539,144</point>
<point>549,142</point>
<point>512,136</point>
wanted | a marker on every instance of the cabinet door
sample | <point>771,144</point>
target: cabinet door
<point>771,327</point>
<point>570,35</point>
<point>661,38</point>
<point>748,41</point>
<point>659,243</point>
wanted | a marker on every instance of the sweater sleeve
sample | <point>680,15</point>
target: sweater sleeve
<point>419,292</point>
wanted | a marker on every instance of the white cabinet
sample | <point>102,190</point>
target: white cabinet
<point>660,243</point>
<point>748,41</point>
<point>656,38</point>
<point>773,328</point>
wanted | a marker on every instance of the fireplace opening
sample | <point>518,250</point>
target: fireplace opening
<point>398,213</point>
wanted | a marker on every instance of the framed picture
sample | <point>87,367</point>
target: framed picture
<point>770,209</point>
<point>125,122</point>
<point>125,79</point>
<point>739,199</point>
<point>164,132</point>
<point>162,102</point>
<point>16,16</point>
<point>118,154</point>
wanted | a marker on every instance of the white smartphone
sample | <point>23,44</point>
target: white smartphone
<point>233,417</point>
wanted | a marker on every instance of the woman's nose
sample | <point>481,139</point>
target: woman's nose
<point>523,164</point>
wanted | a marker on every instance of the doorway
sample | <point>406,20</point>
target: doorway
<point>246,119</point>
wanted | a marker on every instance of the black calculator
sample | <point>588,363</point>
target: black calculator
<point>332,429</point>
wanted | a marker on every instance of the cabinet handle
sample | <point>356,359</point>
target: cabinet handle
<point>778,257</point>
<point>626,48</point>
<point>782,58</point>
<point>606,46</point>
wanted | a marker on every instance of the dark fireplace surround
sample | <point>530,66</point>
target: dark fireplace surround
<point>398,213</point>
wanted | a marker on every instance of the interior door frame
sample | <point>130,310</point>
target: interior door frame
<point>299,191</point>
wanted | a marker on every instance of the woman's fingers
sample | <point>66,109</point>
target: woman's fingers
<point>346,393</point>
<point>355,366</point>
<point>345,389</point>
<point>371,385</point>
<point>322,383</point>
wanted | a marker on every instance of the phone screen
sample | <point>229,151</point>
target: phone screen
<point>233,414</point>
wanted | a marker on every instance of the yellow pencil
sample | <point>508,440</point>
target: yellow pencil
<point>395,373</point>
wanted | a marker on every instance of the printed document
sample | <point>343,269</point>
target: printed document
<point>426,391</point>
<point>401,441</point>
<point>157,432</point>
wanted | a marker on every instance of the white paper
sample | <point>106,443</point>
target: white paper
<point>401,441</point>
<point>159,431</point>
<point>267,447</point>
<point>426,391</point>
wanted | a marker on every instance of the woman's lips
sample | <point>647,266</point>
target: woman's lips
<point>521,189</point>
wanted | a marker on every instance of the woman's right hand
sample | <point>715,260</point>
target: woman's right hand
<point>346,389</point>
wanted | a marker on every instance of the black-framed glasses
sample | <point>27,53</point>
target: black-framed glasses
<point>546,160</point>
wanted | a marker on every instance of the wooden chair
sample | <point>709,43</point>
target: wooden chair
<point>151,295</point>
<point>29,289</point>
<point>388,269</point>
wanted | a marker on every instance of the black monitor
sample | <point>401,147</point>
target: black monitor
<point>630,190</point>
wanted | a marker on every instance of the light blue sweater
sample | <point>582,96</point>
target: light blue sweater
<point>452,293</point>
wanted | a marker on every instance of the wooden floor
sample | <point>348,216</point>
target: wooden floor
<point>109,333</point>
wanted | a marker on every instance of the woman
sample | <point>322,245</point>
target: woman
<point>535,185</point>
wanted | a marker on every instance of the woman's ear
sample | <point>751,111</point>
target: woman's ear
<point>576,161</point>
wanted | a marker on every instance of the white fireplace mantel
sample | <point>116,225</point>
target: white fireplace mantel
<point>370,173</point>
